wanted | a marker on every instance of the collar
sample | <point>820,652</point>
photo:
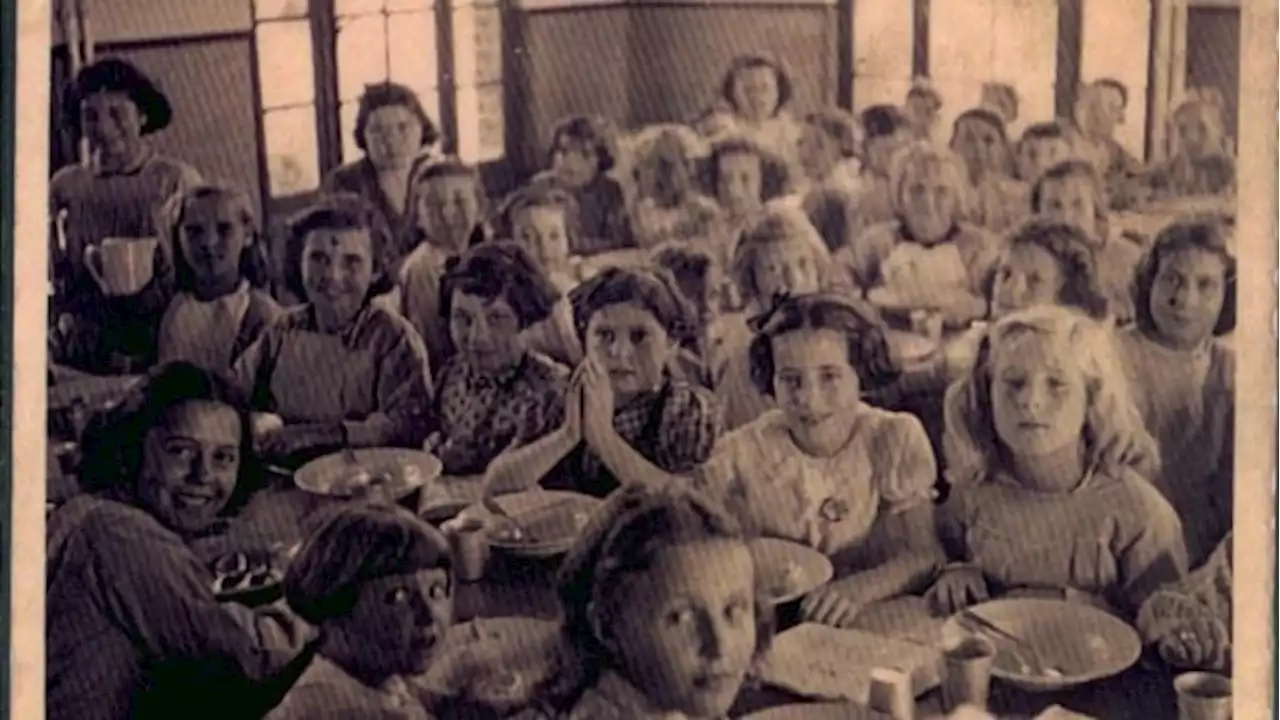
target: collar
<point>904,231</point>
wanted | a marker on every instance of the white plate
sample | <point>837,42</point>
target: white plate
<point>1081,641</point>
<point>554,517</point>
<point>812,711</point>
<point>826,663</point>
<point>333,475</point>
<point>787,571</point>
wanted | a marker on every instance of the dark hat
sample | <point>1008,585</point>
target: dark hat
<point>115,75</point>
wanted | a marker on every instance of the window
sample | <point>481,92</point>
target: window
<point>286,82</point>
<point>882,32</point>
<point>477,53</point>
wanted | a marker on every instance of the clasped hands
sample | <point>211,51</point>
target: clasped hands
<point>589,405</point>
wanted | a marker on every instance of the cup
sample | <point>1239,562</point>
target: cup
<point>892,696</point>
<point>469,543</point>
<point>121,266</point>
<point>1203,696</point>
<point>966,672</point>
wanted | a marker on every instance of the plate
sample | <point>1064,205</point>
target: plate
<point>251,577</point>
<point>826,663</point>
<point>1085,643</point>
<point>813,711</point>
<point>787,570</point>
<point>909,346</point>
<point>452,494</point>
<point>337,475</point>
<point>554,519</point>
<point>498,661</point>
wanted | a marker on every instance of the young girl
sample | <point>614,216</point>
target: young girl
<point>668,206</point>
<point>627,420</point>
<point>885,133</point>
<point>830,143</point>
<point>655,634</point>
<point>446,203</point>
<point>493,390</point>
<point>744,176</point>
<point>582,154</point>
<point>978,137</point>
<point>1072,192</point>
<point>1049,466</point>
<point>922,106</point>
<point>1183,377</point>
<point>221,267</point>
<point>825,469</point>
<point>757,92</point>
<point>1202,163</point>
<point>1042,146</point>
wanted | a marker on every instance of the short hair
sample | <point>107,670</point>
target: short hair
<point>1071,249</point>
<point>596,132</point>
<point>775,175</point>
<point>425,172</point>
<point>1113,84</point>
<point>1076,168</point>
<point>255,261</point>
<point>749,62</point>
<point>112,446</point>
<point>881,121</point>
<point>1043,131</point>
<point>841,126</point>
<point>1114,433</point>
<point>114,75</point>
<point>354,545</point>
<point>690,268</point>
<point>501,269</point>
<point>652,289</point>
<point>981,114</point>
<point>777,225</point>
<point>868,348</point>
<point>388,94</point>
<point>1207,235</point>
<point>922,89</point>
<point>624,537</point>
<point>1004,97</point>
<point>338,211</point>
<point>922,153</point>
<point>543,191</point>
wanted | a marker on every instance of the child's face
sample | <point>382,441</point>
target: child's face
<point>214,235</point>
<point>400,621</point>
<point>813,381</point>
<point>1039,154</point>
<point>1194,134</point>
<point>818,152</point>
<point>1038,395</point>
<point>880,150</point>
<point>631,345</point>
<point>485,331</point>
<point>448,208</point>
<point>929,201</point>
<point>979,144</point>
<point>687,635</point>
<point>1187,296</point>
<point>190,463</point>
<point>337,270</point>
<point>543,232</point>
<point>739,182</point>
<point>392,137</point>
<point>111,122</point>
<point>574,162</point>
<point>786,268</point>
<point>662,179</point>
<point>755,92</point>
<point>1028,276</point>
<point>1071,200</point>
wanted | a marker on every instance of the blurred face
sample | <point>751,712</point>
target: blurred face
<point>1028,275</point>
<point>979,144</point>
<point>400,621</point>
<point>214,235</point>
<point>1108,109</point>
<point>881,149</point>
<point>1038,395</point>
<point>819,152</point>
<point>574,162</point>
<point>112,123</point>
<point>1039,154</point>
<point>1071,200</point>
<point>739,186</point>
<point>662,180</point>
<point>1194,133</point>
<point>392,137</point>
<point>815,385</point>
<point>786,268</point>
<point>755,92</point>
<point>486,332</point>
<point>543,232</point>
<point>1187,296</point>
<point>922,114</point>
<point>631,345</point>
<point>190,463</point>
<point>687,636</point>
<point>448,208</point>
<point>337,270</point>
<point>929,201</point>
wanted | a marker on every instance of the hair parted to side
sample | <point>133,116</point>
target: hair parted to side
<point>653,289</point>
<point>255,261</point>
<point>786,89</point>
<point>501,269</point>
<point>594,132</point>
<point>777,225</point>
<point>338,212</point>
<point>1083,170</point>
<point>389,94</point>
<point>922,156</point>
<point>354,545</point>
<point>1206,234</point>
<point>1072,249</point>
<point>1114,434</point>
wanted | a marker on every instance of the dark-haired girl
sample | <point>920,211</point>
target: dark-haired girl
<point>339,370</point>
<point>583,152</point>
<point>756,94</point>
<point>223,302</point>
<point>824,468</point>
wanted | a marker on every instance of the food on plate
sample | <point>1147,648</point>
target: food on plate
<point>381,478</point>
<point>510,532</point>
<point>499,687</point>
<point>244,572</point>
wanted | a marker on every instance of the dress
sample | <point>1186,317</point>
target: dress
<point>211,334</point>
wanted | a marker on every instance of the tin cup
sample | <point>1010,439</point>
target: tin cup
<point>1203,696</point>
<point>966,672</point>
<point>469,544</point>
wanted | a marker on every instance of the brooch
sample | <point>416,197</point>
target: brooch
<point>834,509</point>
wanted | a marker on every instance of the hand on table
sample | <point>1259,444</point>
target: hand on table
<point>956,589</point>
<point>835,604</point>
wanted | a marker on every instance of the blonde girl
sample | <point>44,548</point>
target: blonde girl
<point>1050,469</point>
<point>1202,163</point>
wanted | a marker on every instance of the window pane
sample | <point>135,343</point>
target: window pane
<point>362,54</point>
<point>481,134</point>
<point>293,162</point>
<point>430,98</point>
<point>881,39</point>
<point>357,7</point>
<point>285,66</point>
<point>477,52</point>
<point>1115,42</point>
<point>277,9</point>
<point>411,40</point>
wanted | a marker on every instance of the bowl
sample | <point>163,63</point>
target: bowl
<point>399,473</point>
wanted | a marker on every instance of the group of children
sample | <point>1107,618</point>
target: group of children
<point>735,383</point>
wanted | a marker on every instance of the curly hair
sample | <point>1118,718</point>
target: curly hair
<point>1114,433</point>
<point>594,132</point>
<point>116,75</point>
<point>255,263</point>
<point>923,155</point>
<point>868,349</point>
<point>775,175</point>
<point>389,94</point>
<point>541,192</point>
<point>1207,235</point>
<point>500,269</point>
<point>339,211</point>
<point>655,290</point>
<point>1084,170</point>
<point>1072,250</point>
<point>779,225</point>
<point>749,62</point>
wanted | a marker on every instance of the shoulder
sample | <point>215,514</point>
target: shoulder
<point>892,429</point>
<point>68,177</point>
<point>347,177</point>
<point>757,439</point>
<point>1131,492</point>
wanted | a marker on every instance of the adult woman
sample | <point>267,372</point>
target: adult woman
<point>339,370</point>
<point>394,132</point>
<point>118,194</point>
<point>133,625</point>
<point>375,581</point>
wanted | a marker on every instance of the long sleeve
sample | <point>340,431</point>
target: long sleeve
<point>1152,553</point>
<point>251,372</point>
<point>690,427</point>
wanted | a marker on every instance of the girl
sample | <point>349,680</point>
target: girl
<point>825,469</point>
<point>668,206</point>
<point>1202,163</point>
<point>656,635</point>
<point>583,151</point>
<point>1049,466</point>
<point>978,137</point>
<point>922,106</point>
<point>1190,622</point>
<point>1183,377</point>
<point>493,390</point>
<point>744,177</point>
<point>1072,192</point>
<point>757,91</point>
<point>928,258</point>
<point>221,268</point>
<point>830,143</point>
<point>627,420</point>
<point>447,203</point>
<point>339,370</point>
<point>886,132</point>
